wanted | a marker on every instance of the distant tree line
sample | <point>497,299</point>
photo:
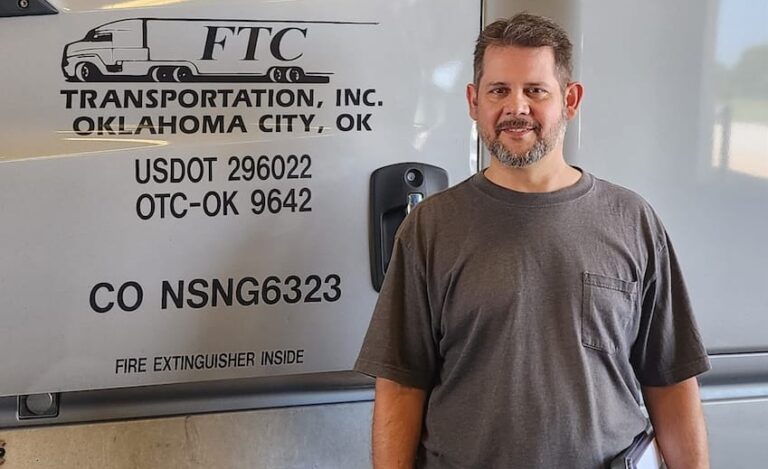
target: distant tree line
<point>748,78</point>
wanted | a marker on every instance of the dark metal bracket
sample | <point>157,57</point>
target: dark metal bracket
<point>38,406</point>
<point>26,8</point>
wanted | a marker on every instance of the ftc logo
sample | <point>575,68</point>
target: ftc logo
<point>219,35</point>
<point>187,50</point>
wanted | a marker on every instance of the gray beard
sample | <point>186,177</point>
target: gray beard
<point>519,160</point>
<point>541,147</point>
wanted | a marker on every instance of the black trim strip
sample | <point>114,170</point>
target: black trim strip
<point>12,8</point>
<point>196,398</point>
<point>227,20</point>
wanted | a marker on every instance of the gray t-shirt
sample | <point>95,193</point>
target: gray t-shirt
<point>532,319</point>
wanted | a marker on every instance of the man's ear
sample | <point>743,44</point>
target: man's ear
<point>472,100</point>
<point>574,91</point>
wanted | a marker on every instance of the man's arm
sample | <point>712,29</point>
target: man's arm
<point>678,420</point>
<point>397,419</point>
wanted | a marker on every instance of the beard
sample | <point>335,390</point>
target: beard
<point>540,148</point>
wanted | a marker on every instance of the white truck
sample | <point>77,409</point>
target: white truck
<point>185,212</point>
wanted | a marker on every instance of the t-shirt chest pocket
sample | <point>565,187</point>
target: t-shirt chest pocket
<point>608,305</point>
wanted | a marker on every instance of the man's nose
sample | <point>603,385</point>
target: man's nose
<point>516,104</point>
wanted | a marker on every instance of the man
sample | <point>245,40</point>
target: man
<point>527,311</point>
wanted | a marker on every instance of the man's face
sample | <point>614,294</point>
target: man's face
<point>519,107</point>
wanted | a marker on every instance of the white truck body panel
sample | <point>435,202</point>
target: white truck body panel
<point>672,109</point>
<point>186,232</point>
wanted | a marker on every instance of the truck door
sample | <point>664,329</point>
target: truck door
<point>216,228</point>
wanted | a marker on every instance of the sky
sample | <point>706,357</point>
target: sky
<point>740,25</point>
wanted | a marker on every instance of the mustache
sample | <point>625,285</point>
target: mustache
<point>517,123</point>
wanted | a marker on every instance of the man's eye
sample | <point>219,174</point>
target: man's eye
<point>498,91</point>
<point>536,90</point>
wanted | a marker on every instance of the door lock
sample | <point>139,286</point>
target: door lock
<point>395,192</point>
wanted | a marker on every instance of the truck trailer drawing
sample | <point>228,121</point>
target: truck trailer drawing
<point>187,50</point>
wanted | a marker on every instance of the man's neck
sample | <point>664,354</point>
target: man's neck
<point>547,175</point>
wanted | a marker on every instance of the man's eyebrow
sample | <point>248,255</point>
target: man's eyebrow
<point>539,84</point>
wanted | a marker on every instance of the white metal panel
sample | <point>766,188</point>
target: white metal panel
<point>69,196</point>
<point>737,433</point>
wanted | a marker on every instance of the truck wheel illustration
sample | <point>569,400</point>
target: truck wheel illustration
<point>86,71</point>
<point>295,74</point>
<point>182,74</point>
<point>162,73</point>
<point>276,74</point>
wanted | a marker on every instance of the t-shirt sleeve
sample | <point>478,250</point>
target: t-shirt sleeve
<point>399,344</point>
<point>668,348</point>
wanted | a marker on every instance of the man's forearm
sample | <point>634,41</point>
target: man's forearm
<point>397,419</point>
<point>678,420</point>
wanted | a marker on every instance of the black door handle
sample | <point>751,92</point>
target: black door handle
<point>395,190</point>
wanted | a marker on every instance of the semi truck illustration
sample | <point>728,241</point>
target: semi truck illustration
<point>185,50</point>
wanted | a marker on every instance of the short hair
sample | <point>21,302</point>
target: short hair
<point>527,30</point>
